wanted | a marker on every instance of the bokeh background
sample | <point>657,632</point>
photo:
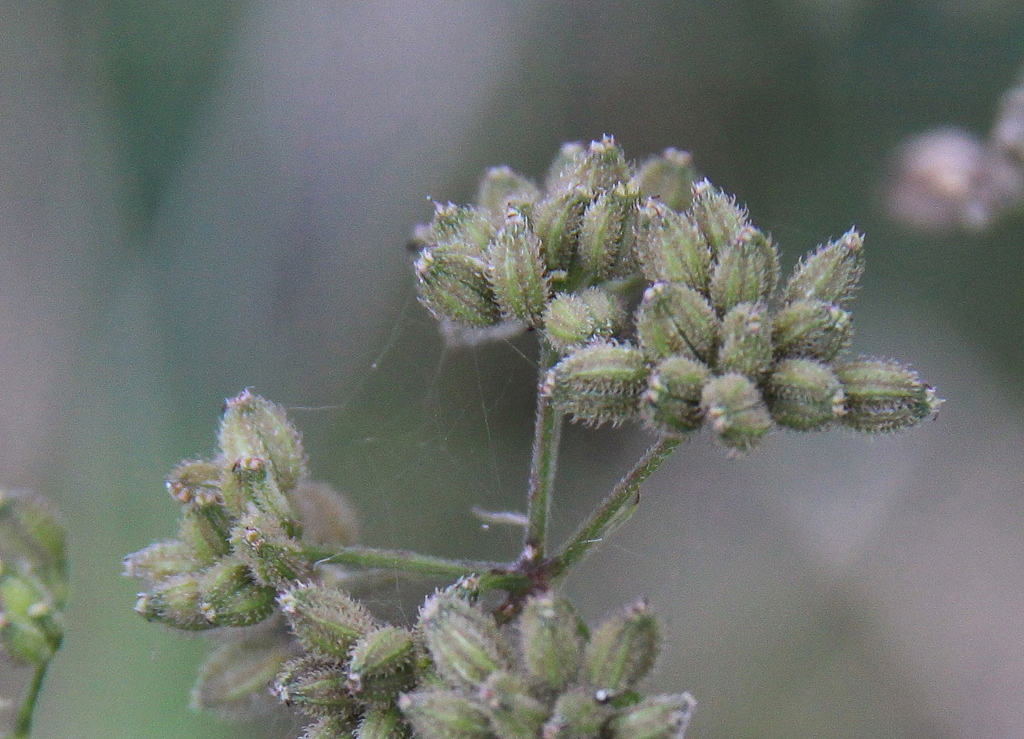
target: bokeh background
<point>202,195</point>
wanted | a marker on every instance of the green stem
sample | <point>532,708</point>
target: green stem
<point>23,727</point>
<point>547,437</point>
<point>400,559</point>
<point>615,510</point>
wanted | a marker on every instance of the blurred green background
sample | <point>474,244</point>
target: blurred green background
<point>199,196</point>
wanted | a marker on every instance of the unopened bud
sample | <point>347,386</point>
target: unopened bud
<point>669,178</point>
<point>671,403</point>
<point>514,712</point>
<point>331,727</point>
<point>256,428</point>
<point>195,481</point>
<point>605,241</point>
<point>325,620</point>
<point>812,329</point>
<point>444,714</point>
<point>459,230</point>
<point>517,270</point>
<point>600,167</point>
<point>463,640</point>
<point>380,666</point>
<point>622,650</point>
<point>500,188</point>
<point>735,411</point>
<point>717,215</point>
<point>552,638</point>
<point>746,272</point>
<point>676,319</point>
<point>237,675</point>
<point>229,596</point>
<point>557,221</point>
<point>382,723</point>
<point>658,717</point>
<point>598,383</point>
<point>883,395</point>
<point>174,601</point>
<point>577,715</point>
<point>160,560</point>
<point>562,165</point>
<point>573,319</point>
<point>30,530</point>
<point>804,394</point>
<point>455,286</point>
<point>746,340</point>
<point>205,531</point>
<point>830,274</point>
<point>315,686</point>
<point>670,247</point>
<point>30,627</point>
<point>249,482</point>
<point>273,557</point>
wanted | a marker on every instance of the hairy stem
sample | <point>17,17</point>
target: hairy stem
<point>23,727</point>
<point>402,560</point>
<point>615,510</point>
<point>547,437</point>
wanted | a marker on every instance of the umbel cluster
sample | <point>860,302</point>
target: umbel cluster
<point>660,301</point>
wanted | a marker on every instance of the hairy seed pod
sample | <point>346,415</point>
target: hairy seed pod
<point>513,711</point>
<point>804,394</point>
<point>557,221</point>
<point>205,530</point>
<point>160,560</point>
<point>463,640</point>
<point>883,395</point>
<point>380,666</point>
<point>670,248</point>
<point>175,602</point>
<point>230,596</point>
<point>717,215</point>
<point>316,687</point>
<point>195,481</point>
<point>250,482</point>
<point>676,319</point>
<point>562,166</point>
<point>325,620</point>
<point>444,714</point>
<point>746,272</point>
<point>500,188</point>
<point>658,717</point>
<point>381,722</point>
<point>30,627</point>
<point>598,383</point>
<point>668,177</point>
<point>256,428</point>
<point>746,341</point>
<point>622,650</point>
<point>599,168</point>
<point>236,677</point>
<point>330,727</point>
<point>671,403</point>
<point>811,328</point>
<point>461,230</point>
<point>605,235</point>
<point>517,270</point>
<point>577,715</point>
<point>551,640</point>
<point>735,411</point>
<point>273,557</point>
<point>831,273</point>
<point>573,319</point>
<point>455,286</point>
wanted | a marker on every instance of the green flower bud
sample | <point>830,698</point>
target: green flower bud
<point>746,271</point>
<point>249,482</point>
<point>330,727</point>
<point>830,274</point>
<point>235,678</point>
<point>327,518</point>
<point>563,165</point>
<point>735,411</point>
<point>804,394</point>
<point>746,341</point>
<point>30,627</point>
<point>382,723</point>
<point>205,530</point>
<point>622,650</point>
<point>175,601</point>
<point>606,234</point>
<point>514,712</point>
<point>461,230</point>
<point>551,638</point>
<point>455,286</point>
<point>517,271</point>
<point>557,221</point>
<point>443,714</point>
<point>256,428</point>
<point>812,329</point>
<point>599,168</point>
<point>598,383</point>
<point>577,715</point>
<point>325,620</point>
<point>160,560</point>
<point>573,319</point>
<point>316,687</point>
<point>883,395</point>
<point>671,403</point>
<point>229,596</point>
<point>676,319</point>
<point>463,640</point>
<point>273,557</point>
<point>718,216</point>
<point>669,178</point>
<point>381,663</point>
<point>670,247</point>
<point>500,188</point>
<point>658,717</point>
<point>195,481</point>
<point>30,530</point>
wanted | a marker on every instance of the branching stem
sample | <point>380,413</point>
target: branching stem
<point>547,437</point>
<point>23,726</point>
